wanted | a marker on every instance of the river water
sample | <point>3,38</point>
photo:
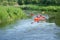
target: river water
<point>24,30</point>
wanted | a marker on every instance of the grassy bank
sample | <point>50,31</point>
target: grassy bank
<point>41,8</point>
<point>10,13</point>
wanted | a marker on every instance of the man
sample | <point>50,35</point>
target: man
<point>39,18</point>
<point>42,18</point>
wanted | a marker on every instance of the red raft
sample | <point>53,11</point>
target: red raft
<point>37,19</point>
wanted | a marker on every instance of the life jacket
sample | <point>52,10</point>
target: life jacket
<point>36,19</point>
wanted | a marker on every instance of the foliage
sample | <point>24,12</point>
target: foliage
<point>8,2</point>
<point>10,13</point>
<point>57,18</point>
<point>54,17</point>
<point>42,8</point>
<point>38,2</point>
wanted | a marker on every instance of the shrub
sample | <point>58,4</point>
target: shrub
<point>10,13</point>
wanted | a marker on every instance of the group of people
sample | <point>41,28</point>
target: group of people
<point>38,18</point>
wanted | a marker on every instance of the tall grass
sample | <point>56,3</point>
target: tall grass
<point>10,13</point>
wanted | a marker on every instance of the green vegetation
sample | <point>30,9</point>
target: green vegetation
<point>10,13</point>
<point>41,8</point>
<point>38,2</point>
<point>57,18</point>
<point>54,17</point>
<point>8,2</point>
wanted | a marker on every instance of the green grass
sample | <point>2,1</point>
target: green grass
<point>10,13</point>
<point>42,8</point>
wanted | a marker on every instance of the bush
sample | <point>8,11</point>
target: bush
<point>57,18</point>
<point>5,3</point>
<point>8,14</point>
<point>42,8</point>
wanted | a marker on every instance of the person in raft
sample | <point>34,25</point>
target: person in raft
<point>39,18</point>
<point>31,14</point>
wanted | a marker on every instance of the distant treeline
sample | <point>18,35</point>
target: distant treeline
<point>21,2</point>
<point>40,2</point>
<point>8,2</point>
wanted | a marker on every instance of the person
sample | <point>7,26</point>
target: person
<point>39,18</point>
<point>42,18</point>
<point>32,14</point>
<point>36,19</point>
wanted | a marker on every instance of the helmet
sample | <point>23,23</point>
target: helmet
<point>40,15</point>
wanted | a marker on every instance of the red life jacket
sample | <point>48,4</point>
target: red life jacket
<point>36,19</point>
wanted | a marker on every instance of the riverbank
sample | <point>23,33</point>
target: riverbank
<point>9,14</point>
<point>41,8</point>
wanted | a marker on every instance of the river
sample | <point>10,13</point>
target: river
<point>24,30</point>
